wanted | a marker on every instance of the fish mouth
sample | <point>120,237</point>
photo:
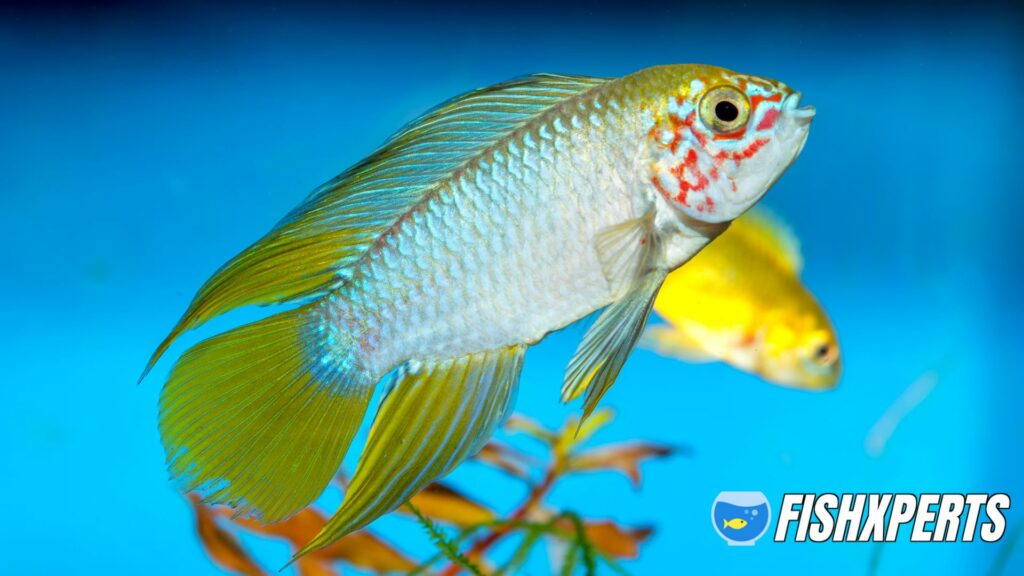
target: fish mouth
<point>802,114</point>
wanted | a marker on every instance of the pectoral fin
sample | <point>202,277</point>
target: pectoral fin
<point>609,341</point>
<point>674,343</point>
<point>625,250</point>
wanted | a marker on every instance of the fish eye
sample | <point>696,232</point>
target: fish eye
<point>823,353</point>
<point>724,109</point>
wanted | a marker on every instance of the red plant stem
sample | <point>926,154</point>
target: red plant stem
<point>483,544</point>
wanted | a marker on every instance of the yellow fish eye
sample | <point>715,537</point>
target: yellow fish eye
<point>724,109</point>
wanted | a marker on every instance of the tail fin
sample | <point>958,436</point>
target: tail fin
<point>725,523</point>
<point>437,415</point>
<point>278,268</point>
<point>256,419</point>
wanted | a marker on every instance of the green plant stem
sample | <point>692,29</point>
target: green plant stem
<point>483,544</point>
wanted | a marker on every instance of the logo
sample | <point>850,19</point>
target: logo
<point>740,518</point>
<point>926,517</point>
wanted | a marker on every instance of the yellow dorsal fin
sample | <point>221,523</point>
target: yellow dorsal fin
<point>763,228</point>
<point>313,248</point>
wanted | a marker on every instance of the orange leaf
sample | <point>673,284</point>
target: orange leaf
<point>222,547</point>
<point>530,427</point>
<point>298,529</point>
<point>615,541</point>
<point>313,566</point>
<point>442,503</point>
<point>364,550</point>
<point>505,458</point>
<point>360,549</point>
<point>625,458</point>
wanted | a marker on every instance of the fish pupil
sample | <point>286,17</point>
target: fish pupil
<point>726,111</point>
<point>822,352</point>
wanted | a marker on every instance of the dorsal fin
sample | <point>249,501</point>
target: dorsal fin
<point>766,230</point>
<point>312,248</point>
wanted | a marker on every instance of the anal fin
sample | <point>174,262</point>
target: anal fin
<point>436,415</point>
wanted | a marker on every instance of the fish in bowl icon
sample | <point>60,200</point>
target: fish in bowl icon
<point>740,518</point>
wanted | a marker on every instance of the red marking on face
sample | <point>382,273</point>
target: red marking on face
<point>714,173</point>
<point>769,119</point>
<point>758,98</point>
<point>737,135</point>
<point>677,136</point>
<point>681,170</point>
<point>661,189</point>
<point>744,154</point>
<point>690,119</point>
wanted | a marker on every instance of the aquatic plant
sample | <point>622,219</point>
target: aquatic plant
<point>464,530</point>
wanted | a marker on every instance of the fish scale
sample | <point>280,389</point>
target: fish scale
<point>558,247</point>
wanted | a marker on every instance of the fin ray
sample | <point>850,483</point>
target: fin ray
<point>254,419</point>
<point>436,416</point>
<point>771,234</point>
<point>608,343</point>
<point>626,252</point>
<point>672,342</point>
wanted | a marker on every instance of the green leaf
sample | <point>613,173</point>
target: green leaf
<point>443,544</point>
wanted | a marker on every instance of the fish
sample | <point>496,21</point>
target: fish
<point>741,301</point>
<point>426,270</point>
<point>735,523</point>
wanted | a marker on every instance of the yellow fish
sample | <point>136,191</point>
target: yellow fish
<point>494,219</point>
<point>735,523</point>
<point>741,301</point>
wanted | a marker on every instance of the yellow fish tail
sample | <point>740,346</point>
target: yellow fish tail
<point>254,419</point>
<point>437,414</point>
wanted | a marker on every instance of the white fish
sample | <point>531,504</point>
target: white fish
<point>492,220</point>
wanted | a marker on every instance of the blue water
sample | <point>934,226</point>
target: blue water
<point>142,147</point>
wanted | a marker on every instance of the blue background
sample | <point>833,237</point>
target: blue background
<point>142,147</point>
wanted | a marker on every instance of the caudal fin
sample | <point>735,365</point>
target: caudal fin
<point>435,416</point>
<point>256,419</point>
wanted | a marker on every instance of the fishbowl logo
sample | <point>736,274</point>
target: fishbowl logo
<point>740,518</point>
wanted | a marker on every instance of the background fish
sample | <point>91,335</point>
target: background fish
<point>501,215</point>
<point>741,301</point>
